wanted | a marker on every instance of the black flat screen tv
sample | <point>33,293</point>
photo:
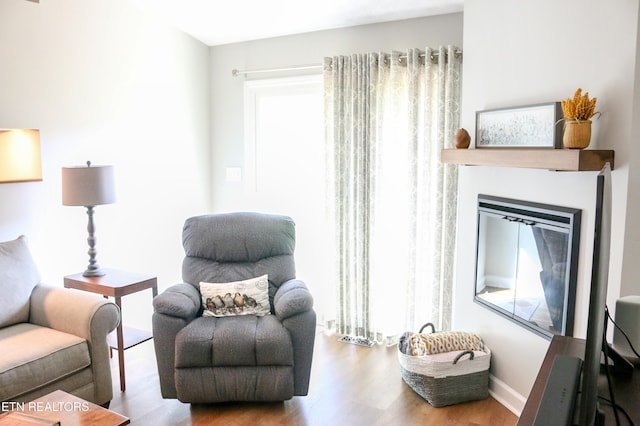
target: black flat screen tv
<point>588,400</point>
<point>578,404</point>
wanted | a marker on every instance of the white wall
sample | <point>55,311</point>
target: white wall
<point>527,52</point>
<point>227,91</point>
<point>630,281</point>
<point>107,83</point>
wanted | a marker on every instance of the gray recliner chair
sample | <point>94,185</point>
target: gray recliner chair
<point>204,359</point>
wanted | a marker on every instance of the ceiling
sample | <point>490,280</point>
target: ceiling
<point>216,22</point>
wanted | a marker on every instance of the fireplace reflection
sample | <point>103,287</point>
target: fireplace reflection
<point>526,262</point>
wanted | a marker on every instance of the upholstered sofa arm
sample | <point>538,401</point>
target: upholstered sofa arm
<point>73,311</point>
<point>85,315</point>
<point>292,298</point>
<point>179,300</point>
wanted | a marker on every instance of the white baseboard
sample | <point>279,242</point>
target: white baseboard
<point>506,396</point>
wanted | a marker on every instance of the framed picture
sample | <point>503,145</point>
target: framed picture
<point>532,126</point>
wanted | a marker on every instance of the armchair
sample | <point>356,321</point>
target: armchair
<point>232,357</point>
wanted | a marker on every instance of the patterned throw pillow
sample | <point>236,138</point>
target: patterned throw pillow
<point>248,297</point>
<point>444,341</point>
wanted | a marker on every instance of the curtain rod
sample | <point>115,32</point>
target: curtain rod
<point>237,72</point>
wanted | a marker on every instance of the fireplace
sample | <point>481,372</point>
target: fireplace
<point>527,261</point>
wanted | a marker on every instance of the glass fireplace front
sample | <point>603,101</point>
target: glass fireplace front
<point>526,262</point>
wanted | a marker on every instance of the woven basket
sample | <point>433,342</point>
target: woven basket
<point>447,378</point>
<point>577,134</point>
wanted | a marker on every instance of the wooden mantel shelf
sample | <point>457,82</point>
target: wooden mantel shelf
<point>550,159</point>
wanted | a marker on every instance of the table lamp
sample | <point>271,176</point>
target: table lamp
<point>89,186</point>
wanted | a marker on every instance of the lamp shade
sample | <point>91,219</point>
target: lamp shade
<point>20,159</point>
<point>88,185</point>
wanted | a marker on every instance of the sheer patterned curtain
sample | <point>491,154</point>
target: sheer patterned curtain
<point>387,117</point>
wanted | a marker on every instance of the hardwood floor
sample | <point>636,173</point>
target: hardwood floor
<point>350,385</point>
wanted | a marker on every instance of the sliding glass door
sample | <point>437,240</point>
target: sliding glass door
<point>285,170</point>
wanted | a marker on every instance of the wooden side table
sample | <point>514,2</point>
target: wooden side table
<point>116,284</point>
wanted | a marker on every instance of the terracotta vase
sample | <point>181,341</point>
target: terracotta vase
<point>462,139</point>
<point>577,134</point>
